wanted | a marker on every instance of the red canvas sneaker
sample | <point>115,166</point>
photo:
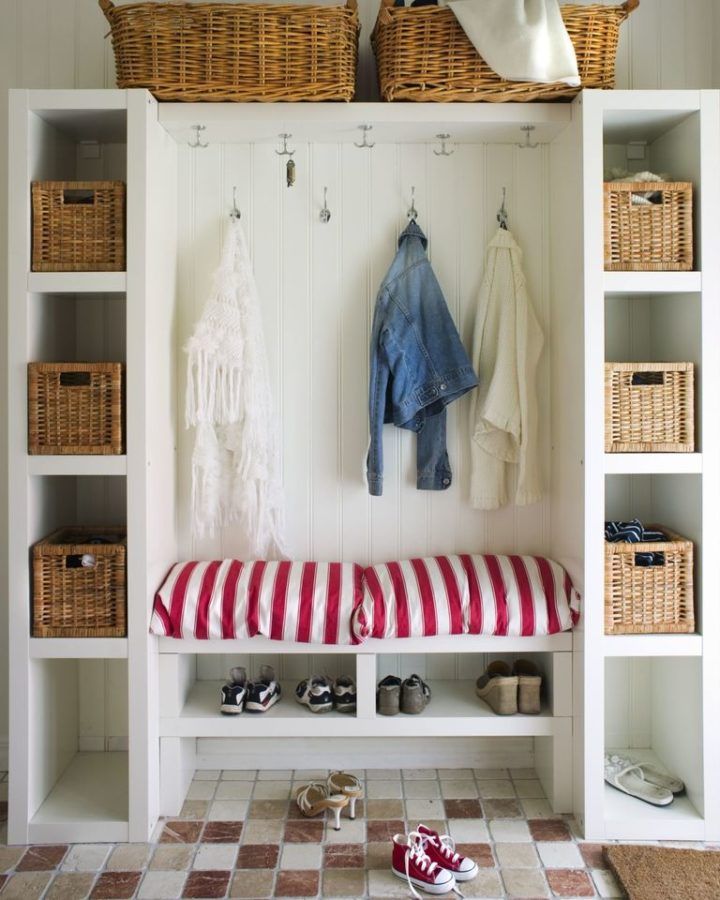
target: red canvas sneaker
<point>441,850</point>
<point>411,862</point>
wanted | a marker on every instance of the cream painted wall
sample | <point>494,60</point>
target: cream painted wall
<point>60,43</point>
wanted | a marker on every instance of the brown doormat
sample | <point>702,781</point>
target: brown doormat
<point>659,873</point>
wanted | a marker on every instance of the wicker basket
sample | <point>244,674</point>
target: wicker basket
<point>649,408</point>
<point>79,583</point>
<point>657,237</point>
<point>78,226</point>
<point>235,51</point>
<point>655,599</point>
<point>75,408</point>
<point>423,54</point>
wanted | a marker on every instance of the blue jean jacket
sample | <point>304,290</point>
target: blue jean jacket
<point>417,364</point>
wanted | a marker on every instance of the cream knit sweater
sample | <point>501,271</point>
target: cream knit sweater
<point>503,412</point>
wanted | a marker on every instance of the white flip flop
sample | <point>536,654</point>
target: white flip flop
<point>652,774</point>
<point>631,780</point>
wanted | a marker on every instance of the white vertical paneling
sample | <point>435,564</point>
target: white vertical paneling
<point>354,339</point>
<point>671,41</point>
<point>90,29</point>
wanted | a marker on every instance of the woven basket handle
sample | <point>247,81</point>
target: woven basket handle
<point>630,5</point>
<point>108,8</point>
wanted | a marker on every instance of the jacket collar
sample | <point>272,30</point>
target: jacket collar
<point>413,230</point>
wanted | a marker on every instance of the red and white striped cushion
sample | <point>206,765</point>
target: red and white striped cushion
<point>286,601</point>
<point>492,595</point>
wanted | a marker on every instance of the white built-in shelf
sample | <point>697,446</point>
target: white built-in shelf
<point>630,645</point>
<point>339,122</point>
<point>456,643</point>
<point>88,803</point>
<point>453,711</point>
<point>78,648</point>
<point>625,283</point>
<point>653,463</point>
<point>77,465</point>
<point>77,282</point>
<point>630,819</point>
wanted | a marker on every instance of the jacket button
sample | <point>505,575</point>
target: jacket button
<point>446,481</point>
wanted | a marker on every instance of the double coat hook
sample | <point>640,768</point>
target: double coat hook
<point>412,213</point>
<point>290,166</point>
<point>235,214</point>
<point>365,143</point>
<point>197,142</point>
<point>528,145</point>
<point>443,151</point>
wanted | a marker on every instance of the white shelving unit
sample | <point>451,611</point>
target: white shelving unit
<point>71,781</point>
<point>654,692</point>
<point>69,786</point>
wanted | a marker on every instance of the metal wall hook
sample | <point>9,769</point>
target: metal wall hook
<point>235,212</point>
<point>443,151</point>
<point>284,137</point>
<point>412,213</point>
<point>365,142</point>
<point>528,129</point>
<point>502,216</point>
<point>197,142</point>
<point>325,212</point>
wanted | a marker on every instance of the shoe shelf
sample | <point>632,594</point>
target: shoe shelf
<point>88,803</point>
<point>627,818</point>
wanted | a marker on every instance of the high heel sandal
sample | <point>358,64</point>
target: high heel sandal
<point>348,785</point>
<point>313,799</point>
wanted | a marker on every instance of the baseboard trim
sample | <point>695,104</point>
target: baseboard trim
<point>368,753</point>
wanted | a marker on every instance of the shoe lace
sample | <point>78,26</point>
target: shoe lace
<point>417,854</point>
<point>445,844</point>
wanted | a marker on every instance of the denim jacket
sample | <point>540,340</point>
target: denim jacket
<point>417,364</point>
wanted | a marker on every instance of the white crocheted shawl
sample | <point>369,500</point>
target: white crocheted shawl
<point>235,463</point>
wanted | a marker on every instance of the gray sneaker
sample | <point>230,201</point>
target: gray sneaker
<point>387,698</point>
<point>414,695</point>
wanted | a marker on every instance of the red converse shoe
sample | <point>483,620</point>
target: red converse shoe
<point>411,862</point>
<point>441,849</point>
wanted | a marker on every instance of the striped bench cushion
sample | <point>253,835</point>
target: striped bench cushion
<point>306,602</point>
<point>491,595</point>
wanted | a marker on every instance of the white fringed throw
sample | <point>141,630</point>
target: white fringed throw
<point>235,466</point>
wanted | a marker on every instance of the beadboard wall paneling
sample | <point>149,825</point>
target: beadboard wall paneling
<point>317,285</point>
<point>60,44</point>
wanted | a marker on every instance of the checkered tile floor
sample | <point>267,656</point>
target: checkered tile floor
<point>240,835</point>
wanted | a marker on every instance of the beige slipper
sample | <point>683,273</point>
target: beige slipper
<point>348,785</point>
<point>313,799</point>
<point>529,684</point>
<point>498,687</point>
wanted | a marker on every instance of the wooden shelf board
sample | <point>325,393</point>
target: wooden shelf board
<point>453,710</point>
<point>89,802</point>
<point>457,643</point>
<point>77,282</point>
<point>77,465</point>
<point>78,648</point>
<point>653,463</point>
<point>643,283</point>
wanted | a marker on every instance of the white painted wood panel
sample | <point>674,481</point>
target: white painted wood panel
<point>317,285</point>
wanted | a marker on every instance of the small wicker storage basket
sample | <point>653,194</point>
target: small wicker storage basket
<point>78,226</point>
<point>235,51</point>
<point>656,599</point>
<point>649,408</point>
<point>650,238</point>
<point>79,583</point>
<point>75,408</point>
<point>424,54</point>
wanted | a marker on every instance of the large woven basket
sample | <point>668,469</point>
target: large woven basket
<point>649,407</point>
<point>423,54</point>
<point>235,51</point>
<point>79,583</point>
<point>655,599</point>
<point>75,409</point>
<point>78,226</point>
<point>657,237</point>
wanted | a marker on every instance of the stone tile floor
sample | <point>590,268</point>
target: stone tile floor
<point>240,835</point>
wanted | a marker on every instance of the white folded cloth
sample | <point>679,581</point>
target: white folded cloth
<point>521,40</point>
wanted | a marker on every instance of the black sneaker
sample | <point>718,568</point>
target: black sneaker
<point>263,693</point>
<point>315,693</point>
<point>234,692</point>
<point>344,694</point>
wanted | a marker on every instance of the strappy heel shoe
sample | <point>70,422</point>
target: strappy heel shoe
<point>348,785</point>
<point>313,799</point>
